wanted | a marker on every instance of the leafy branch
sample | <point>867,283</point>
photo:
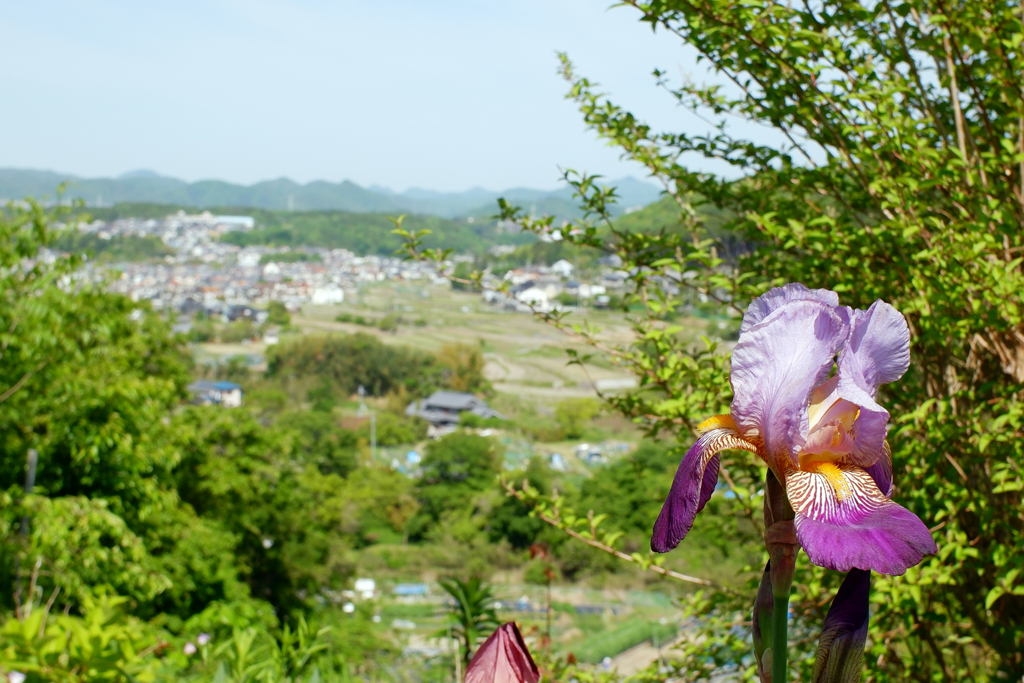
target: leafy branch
<point>551,510</point>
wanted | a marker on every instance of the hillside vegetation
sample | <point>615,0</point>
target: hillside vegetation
<point>173,541</point>
<point>286,194</point>
<point>361,233</point>
<point>368,233</point>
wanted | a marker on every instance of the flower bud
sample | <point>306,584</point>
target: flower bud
<point>764,606</point>
<point>841,647</point>
<point>503,658</point>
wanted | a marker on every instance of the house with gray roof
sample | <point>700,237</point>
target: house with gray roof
<point>442,409</point>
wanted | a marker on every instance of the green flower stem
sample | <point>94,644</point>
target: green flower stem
<point>780,636</point>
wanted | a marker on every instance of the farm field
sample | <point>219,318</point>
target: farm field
<point>525,357</point>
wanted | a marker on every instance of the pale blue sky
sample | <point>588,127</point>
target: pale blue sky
<point>442,94</point>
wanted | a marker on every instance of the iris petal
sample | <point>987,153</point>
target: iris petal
<point>692,486</point>
<point>877,352</point>
<point>850,524</point>
<point>776,365</point>
<point>881,472</point>
<point>879,348</point>
<point>777,297</point>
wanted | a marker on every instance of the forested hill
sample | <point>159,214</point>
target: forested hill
<point>369,233</point>
<point>361,233</point>
<point>284,194</point>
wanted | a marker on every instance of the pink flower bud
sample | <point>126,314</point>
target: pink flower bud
<point>503,658</point>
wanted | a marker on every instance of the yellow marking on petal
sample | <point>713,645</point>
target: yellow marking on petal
<point>717,422</point>
<point>833,475</point>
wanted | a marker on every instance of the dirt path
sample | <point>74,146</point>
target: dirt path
<point>638,658</point>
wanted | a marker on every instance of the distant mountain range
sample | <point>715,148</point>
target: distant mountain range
<point>284,194</point>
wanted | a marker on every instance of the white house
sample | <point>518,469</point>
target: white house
<point>366,588</point>
<point>534,296</point>
<point>328,294</point>
<point>562,268</point>
<point>248,258</point>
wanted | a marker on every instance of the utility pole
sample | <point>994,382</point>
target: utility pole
<point>373,434</point>
<point>363,410</point>
<point>30,482</point>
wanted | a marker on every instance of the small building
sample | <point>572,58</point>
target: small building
<point>223,393</point>
<point>190,306</point>
<point>530,294</point>
<point>232,223</point>
<point>562,268</point>
<point>444,408</point>
<point>329,294</point>
<point>240,312</point>
<point>366,588</point>
<point>249,258</point>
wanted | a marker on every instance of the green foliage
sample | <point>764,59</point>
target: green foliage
<point>238,331</point>
<point>575,414</point>
<point>538,571</point>
<point>349,361</point>
<point>541,253</point>
<point>202,330</point>
<point>629,634</point>
<point>176,515</point>
<point>349,318</point>
<point>288,256</point>
<point>116,249</point>
<point>234,369</point>
<point>277,314</point>
<point>455,471</point>
<point>323,397</point>
<point>510,519</point>
<point>362,233</point>
<point>473,616</point>
<point>388,323</point>
<point>461,458</point>
<point>464,367</point>
<point>631,490</point>
<point>101,645</point>
<point>397,430</point>
<point>268,488</point>
<point>462,272</point>
<point>320,442</point>
<point>341,363</point>
<point>474,421</point>
<point>895,174</point>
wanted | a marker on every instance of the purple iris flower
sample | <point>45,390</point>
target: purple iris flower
<point>822,434</point>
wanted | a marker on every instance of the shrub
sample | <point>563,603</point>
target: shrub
<point>574,414</point>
